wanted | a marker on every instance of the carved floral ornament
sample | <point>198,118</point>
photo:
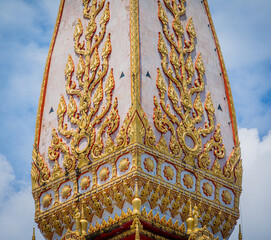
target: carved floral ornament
<point>149,164</point>
<point>178,67</point>
<point>47,200</point>
<point>85,183</point>
<point>226,197</point>
<point>188,181</point>
<point>207,189</point>
<point>66,192</point>
<point>84,107</point>
<point>168,173</point>
<point>104,174</point>
<point>124,165</point>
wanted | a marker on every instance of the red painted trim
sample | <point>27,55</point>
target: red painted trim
<point>222,69</point>
<point>52,45</point>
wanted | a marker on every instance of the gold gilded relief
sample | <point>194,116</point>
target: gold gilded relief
<point>104,174</point>
<point>47,200</point>
<point>226,197</point>
<point>149,164</point>
<point>66,192</point>
<point>124,164</point>
<point>95,85</point>
<point>185,109</point>
<point>207,189</point>
<point>188,181</point>
<point>168,173</point>
<point>40,172</point>
<point>85,183</point>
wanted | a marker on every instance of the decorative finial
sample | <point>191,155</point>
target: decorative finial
<point>77,217</point>
<point>33,236</point>
<point>190,222</point>
<point>196,217</point>
<point>136,201</point>
<point>137,234</point>
<point>83,222</point>
<point>240,237</point>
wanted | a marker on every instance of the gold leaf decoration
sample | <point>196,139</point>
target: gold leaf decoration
<point>183,116</point>
<point>66,192</point>
<point>226,197</point>
<point>124,165</point>
<point>104,174</point>
<point>85,183</point>
<point>95,83</point>
<point>47,200</point>
<point>168,173</point>
<point>207,189</point>
<point>149,164</point>
<point>188,181</point>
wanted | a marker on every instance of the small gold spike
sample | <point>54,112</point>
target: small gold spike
<point>97,226</point>
<point>163,220</point>
<point>176,225</point>
<point>104,224</point>
<point>157,217</point>
<point>110,221</point>
<point>150,215</point>
<point>91,229</point>
<point>240,237</point>
<point>123,215</point>
<point>169,223</point>
<point>116,218</point>
<point>129,212</point>
<point>34,236</point>
<point>144,212</point>
<point>182,228</point>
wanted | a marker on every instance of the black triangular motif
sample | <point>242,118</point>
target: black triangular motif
<point>122,75</point>
<point>148,74</point>
<point>219,108</point>
<point>51,110</point>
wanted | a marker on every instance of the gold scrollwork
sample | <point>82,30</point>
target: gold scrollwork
<point>40,172</point>
<point>85,110</point>
<point>185,110</point>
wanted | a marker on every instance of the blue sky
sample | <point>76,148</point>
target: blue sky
<point>243,28</point>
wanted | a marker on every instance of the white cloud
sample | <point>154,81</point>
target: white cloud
<point>256,196</point>
<point>16,205</point>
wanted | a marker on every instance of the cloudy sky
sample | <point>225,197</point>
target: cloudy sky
<point>26,26</point>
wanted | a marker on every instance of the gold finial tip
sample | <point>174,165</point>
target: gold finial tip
<point>240,237</point>
<point>33,236</point>
<point>136,190</point>
<point>190,221</point>
<point>136,201</point>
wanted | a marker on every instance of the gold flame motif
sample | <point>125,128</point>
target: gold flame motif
<point>185,109</point>
<point>86,96</point>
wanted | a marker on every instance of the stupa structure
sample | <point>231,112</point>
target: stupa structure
<point>136,134</point>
